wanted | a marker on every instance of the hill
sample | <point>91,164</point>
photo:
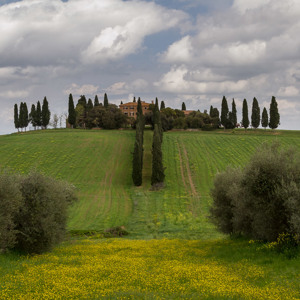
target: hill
<point>98,163</point>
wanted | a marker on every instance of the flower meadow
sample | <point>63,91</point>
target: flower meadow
<point>147,269</point>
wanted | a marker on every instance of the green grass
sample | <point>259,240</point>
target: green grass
<point>98,163</point>
<point>197,263</point>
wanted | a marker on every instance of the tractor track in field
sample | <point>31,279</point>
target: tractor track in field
<point>188,179</point>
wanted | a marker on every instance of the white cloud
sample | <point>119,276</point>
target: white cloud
<point>250,50</point>
<point>176,81</point>
<point>14,94</point>
<point>179,52</point>
<point>44,32</point>
<point>288,91</point>
<point>118,88</point>
<point>86,89</point>
<point>134,87</point>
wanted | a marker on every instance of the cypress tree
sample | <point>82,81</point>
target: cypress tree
<point>96,101</point>
<point>137,161</point>
<point>45,113</point>
<point>90,105</point>
<point>158,175</point>
<point>245,120</point>
<point>71,111</point>
<point>224,112</point>
<point>25,119</point>
<point>264,118</point>
<point>136,164</point>
<point>274,114</point>
<point>38,114</point>
<point>183,107</point>
<point>157,119</point>
<point>16,117</point>
<point>105,102</point>
<point>255,116</point>
<point>233,111</point>
<point>211,111</point>
<point>162,105</point>
<point>231,121</point>
<point>139,107</point>
<point>32,116</point>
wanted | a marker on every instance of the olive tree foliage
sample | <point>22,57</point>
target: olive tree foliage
<point>10,204</point>
<point>262,200</point>
<point>35,214</point>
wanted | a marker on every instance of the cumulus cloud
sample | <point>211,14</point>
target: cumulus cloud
<point>14,94</point>
<point>39,32</point>
<point>85,89</point>
<point>131,88</point>
<point>252,42</point>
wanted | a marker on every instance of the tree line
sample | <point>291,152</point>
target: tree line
<point>88,114</point>
<point>229,118</point>
<point>38,116</point>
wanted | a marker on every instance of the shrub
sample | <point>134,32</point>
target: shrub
<point>222,210</point>
<point>42,218</point>
<point>117,231</point>
<point>10,204</point>
<point>263,201</point>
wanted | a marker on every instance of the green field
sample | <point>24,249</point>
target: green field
<point>98,163</point>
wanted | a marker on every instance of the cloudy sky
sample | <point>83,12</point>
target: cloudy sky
<point>194,51</point>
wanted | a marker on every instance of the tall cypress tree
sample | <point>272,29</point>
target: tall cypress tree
<point>255,116</point>
<point>264,118</point>
<point>274,114</point>
<point>38,114</point>
<point>211,111</point>
<point>96,101</point>
<point>234,113</point>
<point>224,112</point>
<point>32,116</point>
<point>183,107</point>
<point>158,174</point>
<point>157,119</point>
<point>245,120</point>
<point>21,116</point>
<point>136,164</point>
<point>25,118</point>
<point>71,112</point>
<point>137,161</point>
<point>16,117</point>
<point>45,113</point>
<point>105,102</point>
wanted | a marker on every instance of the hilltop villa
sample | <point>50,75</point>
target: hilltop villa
<point>130,108</point>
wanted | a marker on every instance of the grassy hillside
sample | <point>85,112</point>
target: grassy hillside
<point>98,163</point>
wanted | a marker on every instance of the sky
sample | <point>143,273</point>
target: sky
<point>192,51</point>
